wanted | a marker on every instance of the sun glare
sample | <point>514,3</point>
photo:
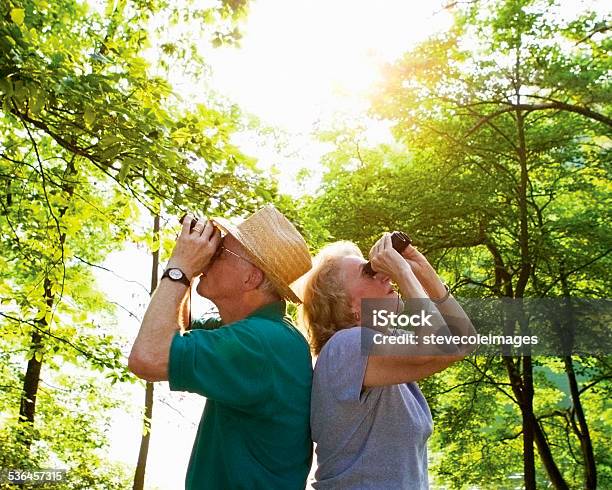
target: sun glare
<point>302,61</point>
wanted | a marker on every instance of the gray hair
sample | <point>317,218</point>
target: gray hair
<point>267,287</point>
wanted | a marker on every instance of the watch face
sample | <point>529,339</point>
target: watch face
<point>175,274</point>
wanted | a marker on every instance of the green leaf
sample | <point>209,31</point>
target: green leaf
<point>181,135</point>
<point>125,168</point>
<point>18,16</point>
<point>89,117</point>
<point>37,102</point>
<point>111,152</point>
<point>6,86</point>
<point>109,140</point>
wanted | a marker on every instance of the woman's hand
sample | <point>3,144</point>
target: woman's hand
<point>386,260</point>
<point>195,248</point>
<point>424,272</point>
<point>418,263</point>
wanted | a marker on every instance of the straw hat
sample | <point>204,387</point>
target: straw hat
<point>274,245</point>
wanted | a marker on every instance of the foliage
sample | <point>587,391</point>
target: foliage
<point>91,135</point>
<point>70,432</point>
<point>500,173</point>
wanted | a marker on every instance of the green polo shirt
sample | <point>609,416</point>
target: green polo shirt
<point>256,375</point>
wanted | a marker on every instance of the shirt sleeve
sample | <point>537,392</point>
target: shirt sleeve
<point>227,364</point>
<point>345,360</point>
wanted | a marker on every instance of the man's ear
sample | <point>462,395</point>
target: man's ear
<point>253,279</point>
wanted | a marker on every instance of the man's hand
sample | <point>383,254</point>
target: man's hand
<point>150,354</point>
<point>193,250</point>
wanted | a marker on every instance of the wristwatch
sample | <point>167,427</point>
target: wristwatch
<point>177,275</point>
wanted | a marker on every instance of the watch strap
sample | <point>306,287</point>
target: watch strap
<point>183,279</point>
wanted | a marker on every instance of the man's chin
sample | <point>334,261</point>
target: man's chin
<point>201,287</point>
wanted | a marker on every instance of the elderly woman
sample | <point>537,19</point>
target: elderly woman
<point>368,417</point>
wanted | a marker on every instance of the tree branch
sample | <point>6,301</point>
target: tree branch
<point>112,272</point>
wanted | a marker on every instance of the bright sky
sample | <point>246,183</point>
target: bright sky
<point>300,63</point>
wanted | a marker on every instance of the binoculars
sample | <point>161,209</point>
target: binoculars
<point>399,240</point>
<point>193,222</point>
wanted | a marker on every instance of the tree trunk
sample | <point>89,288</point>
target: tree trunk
<point>528,425</point>
<point>141,465</point>
<point>532,432</point>
<point>552,470</point>
<point>581,429</point>
<point>527,416</point>
<point>526,399</point>
<point>27,408</point>
<point>27,405</point>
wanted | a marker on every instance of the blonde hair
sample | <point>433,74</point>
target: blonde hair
<point>326,304</point>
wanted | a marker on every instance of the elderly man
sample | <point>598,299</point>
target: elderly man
<point>252,365</point>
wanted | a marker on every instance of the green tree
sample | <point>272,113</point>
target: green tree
<point>501,169</point>
<point>90,135</point>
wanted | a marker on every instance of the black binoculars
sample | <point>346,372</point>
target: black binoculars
<point>193,222</point>
<point>399,240</point>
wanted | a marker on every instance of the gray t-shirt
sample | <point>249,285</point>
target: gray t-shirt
<point>370,439</point>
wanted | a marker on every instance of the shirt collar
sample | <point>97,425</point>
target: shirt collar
<point>277,309</point>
